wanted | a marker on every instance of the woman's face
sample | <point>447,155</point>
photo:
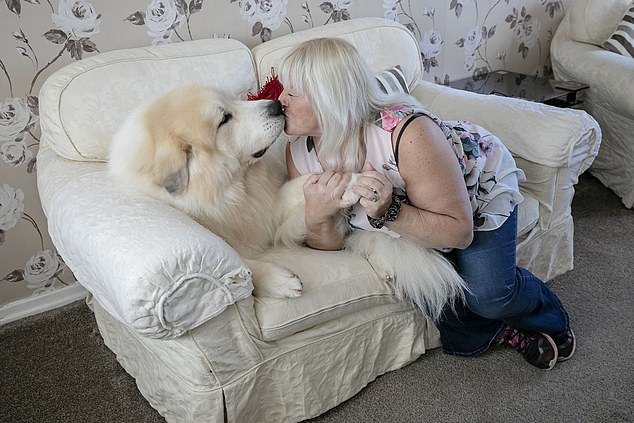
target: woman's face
<point>300,115</point>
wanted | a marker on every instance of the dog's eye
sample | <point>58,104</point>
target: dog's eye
<point>225,118</point>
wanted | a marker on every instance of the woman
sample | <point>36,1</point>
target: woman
<point>446,185</point>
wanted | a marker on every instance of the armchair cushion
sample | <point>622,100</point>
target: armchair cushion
<point>373,37</point>
<point>335,283</point>
<point>392,81</point>
<point>80,111</point>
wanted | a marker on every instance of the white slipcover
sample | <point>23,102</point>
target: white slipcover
<point>153,273</point>
<point>576,55</point>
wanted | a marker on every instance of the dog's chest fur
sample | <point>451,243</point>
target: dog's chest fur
<point>243,211</point>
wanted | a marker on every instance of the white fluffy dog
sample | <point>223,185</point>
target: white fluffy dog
<point>203,152</point>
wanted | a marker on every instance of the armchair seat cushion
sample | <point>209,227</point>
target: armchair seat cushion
<point>335,283</point>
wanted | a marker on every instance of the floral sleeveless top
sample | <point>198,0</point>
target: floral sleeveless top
<point>490,172</point>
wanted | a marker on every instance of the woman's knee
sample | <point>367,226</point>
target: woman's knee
<point>494,302</point>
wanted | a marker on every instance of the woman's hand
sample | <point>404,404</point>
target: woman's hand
<point>375,190</point>
<point>323,201</point>
<point>323,194</point>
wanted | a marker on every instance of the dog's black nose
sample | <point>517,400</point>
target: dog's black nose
<point>275,108</point>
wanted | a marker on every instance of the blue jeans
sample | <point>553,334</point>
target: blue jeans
<point>502,294</point>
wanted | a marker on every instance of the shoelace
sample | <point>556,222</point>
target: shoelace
<point>515,339</point>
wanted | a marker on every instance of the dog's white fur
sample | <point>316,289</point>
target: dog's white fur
<point>201,151</point>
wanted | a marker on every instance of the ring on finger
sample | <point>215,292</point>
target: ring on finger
<point>375,197</point>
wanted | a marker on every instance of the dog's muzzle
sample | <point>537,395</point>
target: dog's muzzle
<point>275,108</point>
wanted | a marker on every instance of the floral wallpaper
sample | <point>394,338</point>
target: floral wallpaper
<point>458,38</point>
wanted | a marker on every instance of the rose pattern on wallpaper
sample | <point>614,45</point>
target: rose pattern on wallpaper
<point>430,41</point>
<point>522,27</point>
<point>475,42</point>
<point>17,118</point>
<point>15,6</point>
<point>45,267</point>
<point>74,23</point>
<point>11,208</point>
<point>525,27</point>
<point>164,17</point>
<point>265,15</point>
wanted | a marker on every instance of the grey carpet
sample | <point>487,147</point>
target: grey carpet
<point>54,367</point>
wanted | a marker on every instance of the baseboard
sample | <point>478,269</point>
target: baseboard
<point>34,305</point>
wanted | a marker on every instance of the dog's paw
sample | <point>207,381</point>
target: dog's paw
<point>276,282</point>
<point>287,285</point>
<point>349,197</point>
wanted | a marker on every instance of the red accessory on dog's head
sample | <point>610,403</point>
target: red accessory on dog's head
<point>271,90</point>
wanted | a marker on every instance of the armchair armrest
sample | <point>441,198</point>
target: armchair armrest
<point>149,265</point>
<point>542,134</point>
<point>608,74</point>
<point>552,146</point>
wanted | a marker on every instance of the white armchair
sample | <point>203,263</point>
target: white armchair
<point>577,54</point>
<point>173,301</point>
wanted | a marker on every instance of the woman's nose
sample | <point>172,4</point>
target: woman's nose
<point>283,98</point>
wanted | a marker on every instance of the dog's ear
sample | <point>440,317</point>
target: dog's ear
<point>172,172</point>
<point>178,181</point>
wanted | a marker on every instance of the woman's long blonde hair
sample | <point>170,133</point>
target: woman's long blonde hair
<point>344,94</point>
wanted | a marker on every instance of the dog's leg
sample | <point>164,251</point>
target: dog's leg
<point>271,280</point>
<point>349,196</point>
<point>419,274</point>
<point>291,229</point>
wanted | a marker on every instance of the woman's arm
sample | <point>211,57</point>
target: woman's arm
<point>323,201</point>
<point>439,214</point>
